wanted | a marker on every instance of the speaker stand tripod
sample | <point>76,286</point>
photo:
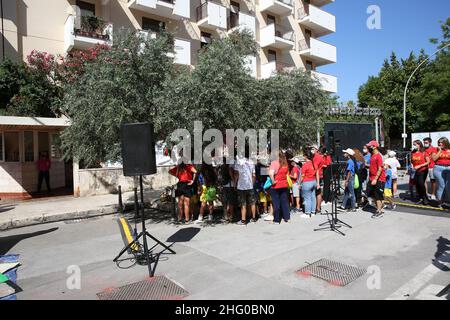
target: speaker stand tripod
<point>147,256</point>
<point>334,224</point>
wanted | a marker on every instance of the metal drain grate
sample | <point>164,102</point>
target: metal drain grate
<point>336,273</point>
<point>157,288</point>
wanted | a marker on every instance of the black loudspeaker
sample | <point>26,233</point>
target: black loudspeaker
<point>138,149</point>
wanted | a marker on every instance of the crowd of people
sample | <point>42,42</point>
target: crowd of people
<point>288,185</point>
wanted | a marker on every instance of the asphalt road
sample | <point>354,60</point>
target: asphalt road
<point>407,256</point>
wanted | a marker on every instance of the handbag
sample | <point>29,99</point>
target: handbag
<point>356,184</point>
<point>289,181</point>
<point>268,183</point>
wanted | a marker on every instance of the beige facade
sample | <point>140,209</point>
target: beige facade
<point>288,31</point>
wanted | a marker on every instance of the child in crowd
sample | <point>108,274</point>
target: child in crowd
<point>388,196</point>
<point>207,190</point>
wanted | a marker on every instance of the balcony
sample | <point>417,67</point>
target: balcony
<point>240,22</point>
<point>83,33</point>
<point>278,7</point>
<point>277,36</point>
<point>318,51</point>
<point>182,48</point>
<point>329,83</point>
<point>321,22</point>
<point>273,68</point>
<point>211,15</point>
<point>172,9</point>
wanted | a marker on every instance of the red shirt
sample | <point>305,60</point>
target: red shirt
<point>418,158</point>
<point>280,175</point>
<point>184,175</point>
<point>328,160</point>
<point>444,159</point>
<point>376,162</point>
<point>295,170</point>
<point>308,172</point>
<point>429,151</point>
<point>44,164</point>
<point>319,162</point>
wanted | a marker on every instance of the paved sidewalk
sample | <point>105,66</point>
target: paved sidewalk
<point>31,212</point>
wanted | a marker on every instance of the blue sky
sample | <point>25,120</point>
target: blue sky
<point>406,25</point>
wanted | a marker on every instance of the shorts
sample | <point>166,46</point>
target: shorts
<point>377,191</point>
<point>296,190</point>
<point>229,196</point>
<point>208,194</point>
<point>387,193</point>
<point>264,197</point>
<point>246,197</point>
<point>184,189</point>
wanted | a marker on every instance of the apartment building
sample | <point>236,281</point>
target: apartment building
<point>288,31</point>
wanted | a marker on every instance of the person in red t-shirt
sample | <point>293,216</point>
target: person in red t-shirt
<point>319,164</point>
<point>279,192</point>
<point>420,162</point>
<point>377,177</point>
<point>44,164</point>
<point>442,171</point>
<point>185,188</point>
<point>310,182</point>
<point>429,150</point>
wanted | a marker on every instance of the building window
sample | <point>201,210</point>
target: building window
<point>43,142</point>
<point>272,56</point>
<point>309,65</point>
<point>86,9</point>
<point>56,152</point>
<point>152,25</point>
<point>28,142</point>
<point>205,39</point>
<point>271,20</point>
<point>12,147</point>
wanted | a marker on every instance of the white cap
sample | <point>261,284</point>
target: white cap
<point>349,151</point>
<point>391,154</point>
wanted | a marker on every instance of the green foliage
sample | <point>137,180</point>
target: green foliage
<point>139,83</point>
<point>12,77</point>
<point>120,86</point>
<point>428,97</point>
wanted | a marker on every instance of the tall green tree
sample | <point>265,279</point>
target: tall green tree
<point>121,86</point>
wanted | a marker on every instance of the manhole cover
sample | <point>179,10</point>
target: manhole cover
<point>336,273</point>
<point>157,288</point>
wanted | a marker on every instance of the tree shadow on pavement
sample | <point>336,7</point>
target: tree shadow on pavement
<point>7,243</point>
<point>4,208</point>
<point>442,255</point>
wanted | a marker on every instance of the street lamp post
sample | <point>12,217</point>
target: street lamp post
<point>404,135</point>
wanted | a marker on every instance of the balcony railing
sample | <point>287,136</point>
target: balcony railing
<point>202,11</point>
<point>283,32</point>
<point>93,27</point>
<point>303,11</point>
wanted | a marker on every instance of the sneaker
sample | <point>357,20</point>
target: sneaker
<point>199,220</point>
<point>419,202</point>
<point>354,210</point>
<point>268,218</point>
<point>305,216</point>
<point>378,215</point>
<point>253,220</point>
<point>393,207</point>
<point>265,214</point>
<point>241,223</point>
<point>342,207</point>
<point>210,218</point>
<point>287,221</point>
<point>293,211</point>
<point>433,197</point>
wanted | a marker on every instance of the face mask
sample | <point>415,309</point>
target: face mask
<point>426,145</point>
<point>313,151</point>
<point>365,151</point>
<point>415,148</point>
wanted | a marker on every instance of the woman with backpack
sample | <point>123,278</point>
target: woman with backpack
<point>350,174</point>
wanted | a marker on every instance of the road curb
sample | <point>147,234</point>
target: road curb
<point>38,219</point>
